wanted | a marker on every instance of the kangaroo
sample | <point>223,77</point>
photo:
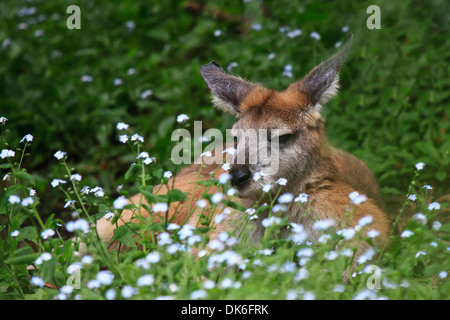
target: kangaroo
<point>306,160</point>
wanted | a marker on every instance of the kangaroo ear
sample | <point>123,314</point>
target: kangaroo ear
<point>322,83</point>
<point>228,91</point>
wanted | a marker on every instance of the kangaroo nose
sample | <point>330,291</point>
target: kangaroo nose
<point>239,175</point>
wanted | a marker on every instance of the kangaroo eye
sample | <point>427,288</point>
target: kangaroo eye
<point>285,138</point>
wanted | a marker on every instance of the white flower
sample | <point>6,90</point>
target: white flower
<point>209,284</point>
<point>406,234</point>
<point>147,161</point>
<point>108,216</point>
<point>164,238</point>
<point>219,218</point>
<point>231,151</point>
<point>365,221</point>
<point>123,138</point>
<point>332,255</point>
<point>216,245</point>
<point>302,274</point>
<point>43,257</point>
<point>443,274</point>
<point>294,33</point>
<point>120,202</point>
<point>47,233</point>
<point>434,206</point>
<point>338,44</point>
<point>7,154</point>
<point>217,197</point>
<point>57,182</point>
<point>131,71</point>
<point>128,291</point>
<point>232,65</point>
<point>256,26</point>
<point>105,277</point>
<point>315,35</point>
<point>420,218</point>
<point>206,154</point>
<point>146,280</point>
<point>186,231</point>
<point>226,166</point>
<point>193,240</point>
<point>412,197</point>
<point>182,117</point>
<point>217,33</point>
<point>368,255</point>
<point>79,224</point>
<point>428,187</point>
<point>323,224</point>
<point>135,137</point>
<point>14,199</point>
<point>373,233</point>
<point>271,56</point>
<point>86,78</point>
<point>145,94</point>
<point>93,284</point>
<point>436,225</point>
<point>324,238</point>
<point>202,203</point>
<point>153,257</point>
<point>267,222</point>
<point>167,174</point>
<point>66,289</point>
<point>339,288</point>
<point>302,197</point>
<point>348,234</point>
<point>231,192</point>
<point>69,203</point>
<point>281,181</point>
<point>3,120</point>
<point>308,295</point>
<point>122,126</point>
<point>27,201</point>
<point>305,252</point>
<point>173,226</point>
<point>356,198</point>
<point>37,281</point>
<point>59,155</point>
<point>285,198</point>
<point>160,207</point>
<point>87,259</point>
<point>28,138</point>
<point>420,165</point>
<point>15,233</point>
<point>266,188</point>
<point>287,72</point>
<point>75,177</point>
<point>420,253</point>
<point>198,294</point>
<point>110,294</point>
<point>224,177</point>
<point>226,283</point>
<point>143,155</point>
<point>345,28</point>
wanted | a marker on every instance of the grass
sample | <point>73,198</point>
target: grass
<point>61,86</point>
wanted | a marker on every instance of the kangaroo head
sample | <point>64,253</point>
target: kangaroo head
<point>286,125</point>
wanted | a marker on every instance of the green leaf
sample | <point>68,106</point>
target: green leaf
<point>24,259</point>
<point>124,235</point>
<point>26,176</point>
<point>132,170</point>
<point>235,205</point>
<point>433,269</point>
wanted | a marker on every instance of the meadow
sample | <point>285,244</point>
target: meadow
<point>79,107</point>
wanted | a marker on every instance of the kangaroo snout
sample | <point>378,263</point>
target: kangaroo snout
<point>240,175</point>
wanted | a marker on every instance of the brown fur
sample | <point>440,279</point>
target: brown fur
<point>308,162</point>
